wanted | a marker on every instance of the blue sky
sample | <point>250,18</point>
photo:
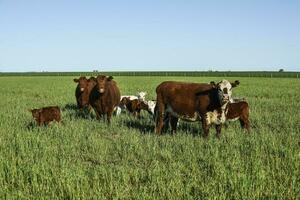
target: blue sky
<point>58,35</point>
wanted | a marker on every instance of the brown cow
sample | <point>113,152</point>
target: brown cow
<point>238,111</point>
<point>43,116</point>
<point>83,91</point>
<point>192,102</point>
<point>105,96</point>
<point>82,84</point>
<point>134,106</point>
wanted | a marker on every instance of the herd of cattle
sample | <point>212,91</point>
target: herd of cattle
<point>210,103</point>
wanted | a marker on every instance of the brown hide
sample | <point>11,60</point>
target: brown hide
<point>82,82</point>
<point>182,96</point>
<point>44,116</point>
<point>134,106</point>
<point>186,99</point>
<point>82,97</point>
<point>239,110</point>
<point>104,97</point>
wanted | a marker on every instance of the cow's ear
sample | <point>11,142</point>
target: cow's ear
<point>109,78</point>
<point>76,80</point>
<point>213,84</point>
<point>236,83</point>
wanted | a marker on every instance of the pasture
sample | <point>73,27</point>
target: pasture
<point>83,158</point>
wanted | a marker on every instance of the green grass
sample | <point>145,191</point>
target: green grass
<point>86,159</point>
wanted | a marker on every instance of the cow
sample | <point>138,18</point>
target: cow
<point>81,85</point>
<point>83,91</point>
<point>104,97</point>
<point>192,102</point>
<point>134,106</point>
<point>239,110</point>
<point>43,116</point>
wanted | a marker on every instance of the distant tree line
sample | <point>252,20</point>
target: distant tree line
<point>270,74</point>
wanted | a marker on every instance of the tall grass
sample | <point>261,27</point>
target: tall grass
<point>83,158</point>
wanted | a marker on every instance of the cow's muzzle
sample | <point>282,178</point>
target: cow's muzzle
<point>225,97</point>
<point>101,90</point>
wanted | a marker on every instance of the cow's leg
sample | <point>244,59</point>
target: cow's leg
<point>205,126</point>
<point>242,123</point>
<point>109,114</point>
<point>166,123</point>
<point>245,123</point>
<point>39,123</point>
<point>98,116</point>
<point>218,129</point>
<point>138,114</point>
<point>78,105</point>
<point>89,107</point>
<point>173,122</point>
<point>160,118</point>
<point>57,119</point>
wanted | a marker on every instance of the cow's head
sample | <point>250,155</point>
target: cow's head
<point>82,83</point>
<point>91,82</point>
<point>142,95</point>
<point>102,82</point>
<point>143,105</point>
<point>225,89</point>
<point>35,113</point>
<point>124,101</point>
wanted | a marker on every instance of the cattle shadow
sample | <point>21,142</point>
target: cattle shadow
<point>70,106</point>
<point>188,128</point>
<point>73,112</point>
<point>144,128</point>
<point>31,126</point>
<point>148,126</point>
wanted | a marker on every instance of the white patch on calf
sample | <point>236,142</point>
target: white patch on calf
<point>151,106</point>
<point>118,110</point>
<point>131,97</point>
<point>141,96</point>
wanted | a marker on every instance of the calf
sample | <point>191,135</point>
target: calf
<point>239,111</point>
<point>104,97</point>
<point>140,96</point>
<point>134,106</point>
<point>43,116</point>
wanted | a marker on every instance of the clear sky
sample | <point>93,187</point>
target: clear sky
<point>73,35</point>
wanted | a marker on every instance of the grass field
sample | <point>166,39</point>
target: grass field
<point>83,158</point>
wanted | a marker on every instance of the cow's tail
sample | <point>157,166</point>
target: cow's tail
<point>159,113</point>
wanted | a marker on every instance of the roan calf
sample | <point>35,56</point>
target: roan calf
<point>43,116</point>
<point>134,106</point>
